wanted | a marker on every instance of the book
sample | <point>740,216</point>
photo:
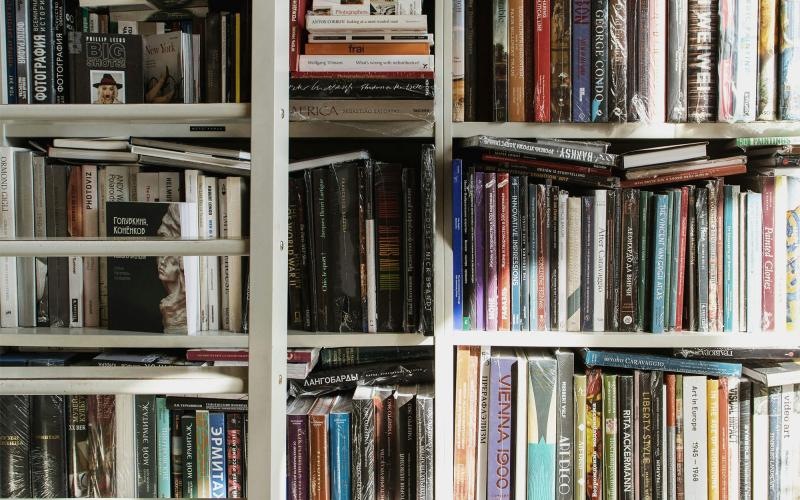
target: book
<point>599,60</point>
<point>695,437</point>
<point>574,279</point>
<point>464,450</point>
<point>406,440</point>
<point>610,423</point>
<point>702,60</point>
<point>424,433</point>
<point>366,63</point>
<point>48,446</point>
<point>499,59</point>
<point>318,451</point>
<point>105,68</point>
<point>388,202</point>
<point>626,472</point>
<point>339,425</point>
<point>25,227</point>
<point>297,447</point>
<point>587,263</point>
<point>712,443</point>
<point>567,150</point>
<point>202,452</point>
<point>788,95</point>
<point>358,23</point>
<point>594,434</point>
<point>145,442</point>
<point>580,455</point>
<point>542,438</point>
<point>581,60</point>
<point>503,253</point>
<point>501,424</point>
<point>661,363</point>
<point>746,441</point>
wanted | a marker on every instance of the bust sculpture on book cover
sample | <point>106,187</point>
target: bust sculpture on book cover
<point>170,272</point>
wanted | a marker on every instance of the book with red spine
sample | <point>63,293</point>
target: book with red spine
<point>683,177</point>
<point>516,60</point>
<point>768,253</point>
<point>503,253</point>
<point>297,22</point>
<point>682,257</point>
<point>542,259</point>
<point>542,62</point>
<point>720,187</point>
<point>564,167</point>
<point>233,355</point>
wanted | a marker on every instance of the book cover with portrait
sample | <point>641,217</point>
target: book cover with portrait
<point>105,68</point>
<point>153,294</point>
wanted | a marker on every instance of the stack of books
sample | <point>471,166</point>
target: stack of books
<point>625,60</point>
<point>108,446</point>
<point>360,60</point>
<point>176,295</point>
<point>546,236</point>
<point>771,155</point>
<point>624,425</point>
<point>361,244</point>
<point>59,52</point>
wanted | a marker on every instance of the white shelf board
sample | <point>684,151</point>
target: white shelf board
<point>692,131</point>
<point>81,338</point>
<point>623,340</point>
<point>137,120</point>
<point>132,4</point>
<point>123,380</point>
<point>361,129</point>
<point>304,339</point>
<point>99,247</point>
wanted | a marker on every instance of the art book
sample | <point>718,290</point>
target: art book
<point>163,64</point>
<point>105,68</point>
<point>153,294</point>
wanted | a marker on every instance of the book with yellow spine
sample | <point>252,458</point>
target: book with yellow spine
<point>712,409</point>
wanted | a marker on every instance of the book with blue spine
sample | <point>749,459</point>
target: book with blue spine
<point>502,425</point>
<point>218,454</point>
<point>524,250</point>
<point>774,456</point>
<point>789,65</point>
<point>516,320</point>
<point>541,425</point>
<point>660,211</point>
<point>163,448</point>
<point>339,425</point>
<point>637,361</point>
<point>675,261</point>
<point>729,261</point>
<point>458,289</point>
<point>533,222</point>
<point>668,305</point>
<point>581,60</point>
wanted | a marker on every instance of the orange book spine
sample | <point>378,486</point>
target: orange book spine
<point>465,436</point>
<point>723,438</point>
<point>516,60</point>
<point>364,49</point>
<point>319,478</point>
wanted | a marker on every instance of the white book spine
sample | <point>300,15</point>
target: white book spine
<point>225,276</point>
<point>787,467</point>
<point>753,262</point>
<point>781,208</point>
<point>366,23</point>
<point>147,186</point>
<point>520,428</point>
<point>40,231</point>
<point>191,268</point>
<point>347,10</point>
<point>91,272</point>
<point>169,184</point>
<point>695,459</point>
<point>733,437</point>
<point>658,60</point>
<point>574,264</point>
<point>745,96</point>
<point>235,211</point>
<point>563,196</point>
<point>458,39</point>
<point>369,63</point>
<point>195,183</point>
<point>372,290</point>
<point>94,22</point>
<point>600,245</point>
<point>736,257</point>
<point>8,265</point>
<point>760,469</point>
<point>125,451</point>
<point>26,266</point>
<point>483,424</point>
<point>795,431</point>
<point>212,232</point>
<point>742,258</point>
<point>75,292</point>
<point>114,184</point>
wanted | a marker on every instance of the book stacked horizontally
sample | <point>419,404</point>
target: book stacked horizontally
<point>771,155</point>
<point>360,60</point>
<point>547,237</point>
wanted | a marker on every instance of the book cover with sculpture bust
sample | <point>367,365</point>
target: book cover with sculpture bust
<point>152,294</point>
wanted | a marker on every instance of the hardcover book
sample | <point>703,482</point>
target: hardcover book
<point>164,65</point>
<point>501,425</point>
<point>542,396</point>
<point>105,68</point>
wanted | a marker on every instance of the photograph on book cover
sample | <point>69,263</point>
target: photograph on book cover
<point>108,86</point>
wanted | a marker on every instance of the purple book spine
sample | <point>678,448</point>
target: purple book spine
<point>297,457</point>
<point>501,438</point>
<point>491,248</point>
<point>581,59</point>
<point>480,234</point>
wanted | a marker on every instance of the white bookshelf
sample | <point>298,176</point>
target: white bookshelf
<point>100,247</point>
<point>86,338</point>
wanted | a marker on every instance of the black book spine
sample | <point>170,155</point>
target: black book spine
<point>630,260</point>
<point>614,250</point>
<point>235,454</point>
<point>659,455</point>
<point>145,428</point>
<point>411,251</point>
<point>645,418</point>
<point>188,444</point>
<point>627,479</point>
<point>565,425</point>
<point>366,238</point>
<point>361,88</point>
<point>48,447</point>
<point>344,263</point>
<point>405,454</point>
<point>599,73</point>
<point>15,413</point>
<point>297,305</point>
<point>701,75</point>
<point>213,58</point>
<point>209,404</point>
<point>745,439</point>
<point>42,61</point>
<point>319,195</point>
<point>618,60</point>
<point>690,292</point>
<point>468,237</point>
<point>9,17</point>
<point>701,207</point>
<point>176,453</point>
<point>57,267</point>
<point>348,356</point>
<point>524,282</point>
<point>470,60</point>
<point>78,441</point>
<point>552,192</point>
<point>348,377</point>
<point>388,207</point>
<point>428,208</point>
<point>23,45</point>
<point>587,263</point>
<point>310,256</point>
<point>500,60</point>
<point>59,34</point>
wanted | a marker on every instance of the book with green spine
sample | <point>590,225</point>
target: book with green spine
<point>163,456</point>
<point>668,305</point>
<point>610,443</point>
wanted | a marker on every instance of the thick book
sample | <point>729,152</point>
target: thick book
<point>405,435</point>
<point>542,394</point>
<point>580,456</point>
<point>560,61</point>
<point>629,299</point>
<point>701,88</point>
<point>172,282</point>
<point>425,438</point>
<point>659,256</point>
<point>730,406</point>
<point>565,422</point>
<point>48,447</point>
<point>569,151</point>
<point>343,379</point>
<point>42,55</point>
<point>462,279</point>
<point>626,479</point>
<point>25,221</point>
<point>363,445</point>
<point>105,68</point>
<point>745,439</point>
<point>235,442</point>
<point>385,441</point>
<point>638,361</point>
<point>427,219</point>
<point>15,443</point>
<point>202,454</point>
<point>542,52</point>
<point>600,240</point>
<point>411,254</point>
<point>767,75</point>
<point>646,432</point>
<point>188,446</point>
<point>501,424</point>
<point>599,60</point>
<point>366,63</point>
<point>145,439</point>
<point>574,247</point>
<point>788,39</point>
<point>388,228</point>
<point>478,252</point>
<point>465,420</point>
<point>318,450</point>
<point>361,88</point>
<point>610,422</point>
<point>702,239</point>
<point>491,281</point>
<point>581,60</point>
<point>594,434</point>
<point>217,455</point>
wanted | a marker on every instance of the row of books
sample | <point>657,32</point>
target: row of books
<point>627,425</point>
<point>151,294</point>
<point>360,244</point>
<point>301,361</point>
<point>618,60</point>
<point>360,60</point>
<point>54,51</point>
<point>374,442</point>
<point>102,446</point>
<point>530,255</point>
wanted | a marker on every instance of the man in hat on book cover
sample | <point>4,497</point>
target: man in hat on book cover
<point>108,90</point>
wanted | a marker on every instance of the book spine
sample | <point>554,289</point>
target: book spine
<point>580,439</point>
<point>162,456</point>
<point>491,251</point>
<point>767,84</point>
<point>645,210</point>
<point>581,60</point>
<point>574,246</point>
<point>594,434</point>
<point>746,63</point>
<point>427,221</point>
<point>145,439</point>
<point>650,362</point>
<point>501,425</point>
<point>363,451</point>
<point>77,439</point>
<point>724,436</point>
<point>625,474</point>
<point>681,269</point>
<point>500,37</point>
<point>587,264</point>
<point>774,442</point>
<point>695,437</point>
<point>8,265</point>
<point>728,262</point>
<point>713,256</point>
<point>541,426</point>
<point>211,224</point>
<point>561,283</point>
<point>235,437</point>
<point>514,216</point>
<point>217,449</point>
<point>23,49</point>
<point>542,46</point>
<point>788,36</point>
<point>599,240</point>
<point>48,469</point>
<point>202,454</point>
<point>768,253</point>
<point>657,390</point>
<point>458,242</point>
<point>339,424</point>
<point>677,52</point>
<point>754,261</point>
<point>565,426</point>
<point>482,443</point>
<point>630,260</point>
<point>657,47</point>
<point>15,422</point>
<point>701,205</point>
<point>388,203</point>
<point>610,424</point>
<point>319,194</point>
<point>646,429</point>
<point>41,55</point>
<point>470,63</point>
<point>660,219</point>
<point>680,430</point>
<point>533,288</point>
<point>516,70</point>
<point>467,232</point>
<point>190,478</point>
<point>424,451</point>
<point>617,60</point>
<point>224,261</point>
<point>745,439</point>
<point>91,290</point>
<point>613,271</point>
<point>25,221</point>
<point>411,276</point>
<point>59,41</point>
<point>734,439</point>
<point>176,454</point>
<point>524,253</point>
<point>560,61</point>
<point>713,444</point>
<point>727,42</point>
<point>467,361</point>
<point>478,250</point>
<point>319,478</point>
<point>674,262</point>
<point>503,253</point>
<point>543,258</point>
<point>297,457</point>
<point>10,46</point>
<point>702,60</point>
<point>599,61</point>
<point>553,229</point>
<point>781,242</point>
<point>299,317</point>
<point>786,443</point>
